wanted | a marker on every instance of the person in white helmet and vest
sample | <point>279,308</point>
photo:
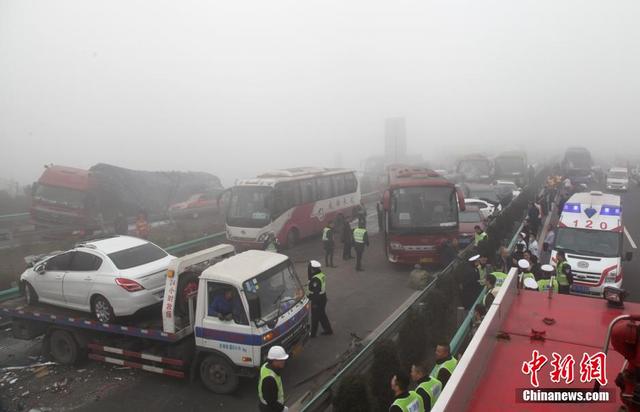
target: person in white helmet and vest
<point>270,388</point>
<point>329,245</point>
<point>318,298</point>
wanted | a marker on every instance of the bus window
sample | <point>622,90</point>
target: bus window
<point>308,188</point>
<point>284,198</point>
<point>325,188</point>
<point>351,183</point>
<point>339,185</point>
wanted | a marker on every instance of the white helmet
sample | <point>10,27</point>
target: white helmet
<point>523,264</point>
<point>277,353</point>
<point>315,264</point>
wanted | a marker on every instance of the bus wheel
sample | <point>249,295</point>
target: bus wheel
<point>63,347</point>
<point>292,238</point>
<point>218,375</point>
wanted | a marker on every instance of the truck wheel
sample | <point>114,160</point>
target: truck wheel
<point>187,285</point>
<point>63,348</point>
<point>218,375</point>
<point>102,309</point>
<point>30,294</point>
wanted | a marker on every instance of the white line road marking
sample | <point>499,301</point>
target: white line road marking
<point>633,244</point>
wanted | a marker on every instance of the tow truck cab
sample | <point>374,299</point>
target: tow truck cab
<point>590,232</point>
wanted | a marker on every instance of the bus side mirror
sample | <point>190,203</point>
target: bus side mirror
<point>628,256</point>
<point>254,306</point>
<point>34,187</point>
<point>386,198</point>
<point>461,205</point>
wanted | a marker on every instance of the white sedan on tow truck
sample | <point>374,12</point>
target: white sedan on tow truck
<point>110,277</point>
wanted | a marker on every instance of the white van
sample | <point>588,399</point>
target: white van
<point>618,179</point>
<point>590,232</point>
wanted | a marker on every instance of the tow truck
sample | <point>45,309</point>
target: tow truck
<point>270,308</point>
<point>490,377</point>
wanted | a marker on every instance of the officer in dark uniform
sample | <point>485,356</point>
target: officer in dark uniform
<point>318,298</point>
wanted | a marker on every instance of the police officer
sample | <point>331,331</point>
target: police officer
<point>525,270</point>
<point>404,400</point>
<point>270,388</point>
<point>318,298</point>
<point>327,242</point>
<point>360,240</point>
<point>500,278</point>
<point>445,363</point>
<point>428,388</point>
<point>548,281</point>
<point>563,273</point>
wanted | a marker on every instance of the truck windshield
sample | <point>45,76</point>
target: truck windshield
<point>249,206</point>
<point>276,289</point>
<point>61,195</point>
<point>589,242</point>
<point>507,166</point>
<point>420,209</point>
<point>471,168</point>
<point>617,175</point>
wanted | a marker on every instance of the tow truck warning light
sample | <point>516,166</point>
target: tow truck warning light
<point>592,368</point>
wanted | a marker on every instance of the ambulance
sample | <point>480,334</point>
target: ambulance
<point>590,232</point>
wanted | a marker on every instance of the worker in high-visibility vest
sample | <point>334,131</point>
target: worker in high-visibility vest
<point>500,277</point>
<point>445,363</point>
<point>271,243</point>
<point>563,273</point>
<point>404,400</point>
<point>360,241</point>
<point>479,236</point>
<point>548,280</point>
<point>318,297</point>
<point>428,387</point>
<point>270,388</point>
<point>525,269</point>
<point>327,242</point>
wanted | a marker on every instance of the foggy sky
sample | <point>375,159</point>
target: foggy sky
<point>238,87</point>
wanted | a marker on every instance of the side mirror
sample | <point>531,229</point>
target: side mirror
<point>40,269</point>
<point>386,200</point>
<point>628,256</point>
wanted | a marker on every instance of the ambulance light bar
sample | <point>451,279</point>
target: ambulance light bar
<point>607,210</point>
<point>571,207</point>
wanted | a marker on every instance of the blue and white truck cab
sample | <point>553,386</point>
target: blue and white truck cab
<point>590,232</point>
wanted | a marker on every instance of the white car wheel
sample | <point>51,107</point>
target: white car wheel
<point>102,310</point>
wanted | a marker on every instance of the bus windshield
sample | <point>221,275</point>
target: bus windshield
<point>509,165</point>
<point>60,195</point>
<point>618,175</point>
<point>249,206</point>
<point>277,290</point>
<point>589,242</point>
<point>471,168</point>
<point>420,209</point>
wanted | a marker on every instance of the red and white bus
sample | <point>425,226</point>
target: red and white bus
<point>290,203</point>
<point>420,213</point>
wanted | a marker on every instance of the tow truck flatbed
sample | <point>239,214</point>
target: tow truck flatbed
<point>489,373</point>
<point>147,323</point>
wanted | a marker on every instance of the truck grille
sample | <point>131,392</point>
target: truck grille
<point>589,278</point>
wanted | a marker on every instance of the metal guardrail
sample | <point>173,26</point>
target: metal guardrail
<point>14,216</point>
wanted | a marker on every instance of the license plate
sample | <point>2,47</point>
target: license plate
<point>426,260</point>
<point>580,289</point>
